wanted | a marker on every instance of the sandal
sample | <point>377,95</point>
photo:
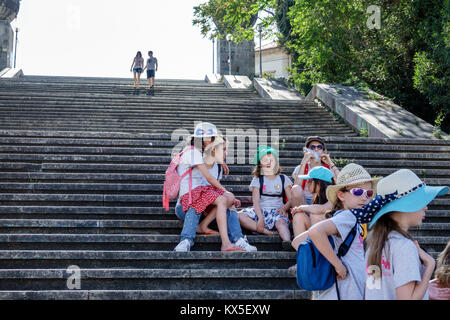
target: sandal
<point>233,248</point>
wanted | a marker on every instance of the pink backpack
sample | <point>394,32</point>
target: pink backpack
<point>173,179</point>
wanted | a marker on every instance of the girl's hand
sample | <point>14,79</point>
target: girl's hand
<point>299,209</point>
<point>427,260</point>
<point>306,157</point>
<point>341,271</point>
<point>326,159</point>
<point>282,211</point>
<point>237,203</point>
<point>226,171</point>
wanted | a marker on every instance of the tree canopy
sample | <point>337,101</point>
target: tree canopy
<point>404,55</point>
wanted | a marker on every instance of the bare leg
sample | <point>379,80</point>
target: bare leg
<point>300,223</point>
<point>221,218</point>
<point>203,226</point>
<point>250,224</point>
<point>135,78</point>
<point>283,230</point>
<point>138,79</point>
<point>298,196</point>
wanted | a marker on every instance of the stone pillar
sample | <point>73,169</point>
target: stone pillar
<point>6,45</point>
<point>8,12</point>
<point>242,58</point>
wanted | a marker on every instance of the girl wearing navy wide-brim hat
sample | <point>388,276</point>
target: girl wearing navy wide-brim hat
<point>397,268</point>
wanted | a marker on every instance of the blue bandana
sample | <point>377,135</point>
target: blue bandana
<point>366,213</point>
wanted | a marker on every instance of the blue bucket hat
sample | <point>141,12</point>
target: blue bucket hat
<point>320,173</point>
<point>412,193</point>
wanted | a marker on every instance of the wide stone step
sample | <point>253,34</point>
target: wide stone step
<point>84,226</point>
<point>150,279</point>
<point>167,146</point>
<point>287,164</point>
<point>90,199</point>
<point>85,259</point>
<point>78,226</point>
<point>156,295</point>
<point>125,178</point>
<point>122,242</point>
<point>148,242</point>
<point>164,137</point>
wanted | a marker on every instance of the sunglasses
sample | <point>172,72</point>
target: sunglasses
<point>319,147</point>
<point>359,192</point>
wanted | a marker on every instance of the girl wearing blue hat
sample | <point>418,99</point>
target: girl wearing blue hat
<point>269,187</point>
<point>319,179</point>
<point>397,268</point>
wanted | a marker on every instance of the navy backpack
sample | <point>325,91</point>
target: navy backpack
<point>314,271</point>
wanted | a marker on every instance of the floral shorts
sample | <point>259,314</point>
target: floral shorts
<point>271,216</point>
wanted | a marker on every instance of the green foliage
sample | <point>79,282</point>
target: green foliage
<point>363,132</point>
<point>406,59</point>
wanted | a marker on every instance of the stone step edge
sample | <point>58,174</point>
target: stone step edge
<point>156,295</point>
<point>133,273</point>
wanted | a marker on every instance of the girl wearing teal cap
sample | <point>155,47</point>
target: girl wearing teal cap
<point>397,268</point>
<point>268,188</point>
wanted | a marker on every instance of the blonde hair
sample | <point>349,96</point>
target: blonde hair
<point>378,237</point>
<point>337,206</point>
<point>442,272</point>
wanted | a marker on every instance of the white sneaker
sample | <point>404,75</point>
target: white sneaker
<point>183,246</point>
<point>243,243</point>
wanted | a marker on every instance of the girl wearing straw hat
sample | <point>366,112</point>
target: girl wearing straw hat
<point>354,189</point>
<point>397,268</point>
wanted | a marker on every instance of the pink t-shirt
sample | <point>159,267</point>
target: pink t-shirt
<point>437,291</point>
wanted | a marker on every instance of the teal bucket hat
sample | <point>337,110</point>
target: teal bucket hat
<point>412,193</point>
<point>320,173</point>
<point>262,151</point>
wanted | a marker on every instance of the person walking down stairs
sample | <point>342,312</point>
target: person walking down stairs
<point>137,68</point>
<point>152,67</point>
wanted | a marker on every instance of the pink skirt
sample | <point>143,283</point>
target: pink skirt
<point>202,197</point>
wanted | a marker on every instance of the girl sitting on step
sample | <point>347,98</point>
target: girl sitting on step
<point>314,155</point>
<point>268,211</point>
<point>353,190</point>
<point>214,155</point>
<point>191,204</point>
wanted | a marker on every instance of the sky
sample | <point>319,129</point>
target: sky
<point>101,38</point>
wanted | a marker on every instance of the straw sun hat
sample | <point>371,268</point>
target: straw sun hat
<point>351,174</point>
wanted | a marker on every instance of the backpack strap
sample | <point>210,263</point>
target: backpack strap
<point>283,192</point>
<point>219,171</point>
<point>343,249</point>
<point>261,184</point>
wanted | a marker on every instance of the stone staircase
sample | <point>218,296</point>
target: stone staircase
<point>82,162</point>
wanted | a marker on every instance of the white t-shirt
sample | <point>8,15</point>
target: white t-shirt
<point>352,287</point>
<point>402,266</point>
<point>191,158</point>
<point>213,171</point>
<point>271,187</point>
<point>308,195</point>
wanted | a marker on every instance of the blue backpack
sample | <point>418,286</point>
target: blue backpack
<point>314,271</point>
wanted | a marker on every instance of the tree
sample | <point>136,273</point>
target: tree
<point>406,58</point>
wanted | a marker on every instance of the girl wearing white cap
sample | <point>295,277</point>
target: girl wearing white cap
<point>397,268</point>
<point>194,198</point>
